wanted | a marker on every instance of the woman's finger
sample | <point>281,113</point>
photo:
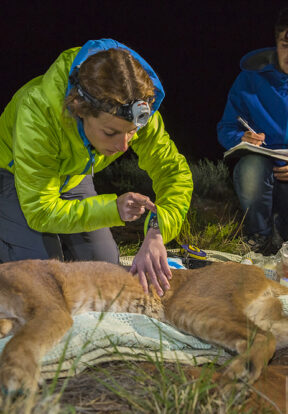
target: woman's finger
<point>143,281</point>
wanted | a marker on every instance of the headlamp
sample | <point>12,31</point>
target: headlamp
<point>137,112</point>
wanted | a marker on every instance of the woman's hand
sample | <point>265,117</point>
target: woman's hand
<point>131,206</point>
<point>252,138</point>
<point>151,263</point>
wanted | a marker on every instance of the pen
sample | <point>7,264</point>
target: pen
<point>247,126</point>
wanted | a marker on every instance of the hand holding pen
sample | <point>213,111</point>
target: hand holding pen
<point>251,136</point>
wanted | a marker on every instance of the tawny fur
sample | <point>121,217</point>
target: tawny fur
<point>231,305</point>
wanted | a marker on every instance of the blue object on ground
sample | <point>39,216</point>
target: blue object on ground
<point>175,263</point>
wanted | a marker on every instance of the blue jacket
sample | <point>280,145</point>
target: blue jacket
<point>260,95</point>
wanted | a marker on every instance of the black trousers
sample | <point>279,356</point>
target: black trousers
<point>18,241</point>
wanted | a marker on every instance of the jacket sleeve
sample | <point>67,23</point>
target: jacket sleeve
<point>36,149</point>
<point>229,130</point>
<point>170,174</point>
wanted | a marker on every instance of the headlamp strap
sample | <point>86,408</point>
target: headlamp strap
<point>137,111</point>
<point>74,80</point>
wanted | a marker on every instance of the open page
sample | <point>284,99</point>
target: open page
<point>245,147</point>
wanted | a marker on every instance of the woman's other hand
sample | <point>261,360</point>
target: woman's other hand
<point>131,206</point>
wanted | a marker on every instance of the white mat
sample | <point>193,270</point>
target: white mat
<point>99,337</point>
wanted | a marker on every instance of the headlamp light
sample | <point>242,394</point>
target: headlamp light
<point>137,112</point>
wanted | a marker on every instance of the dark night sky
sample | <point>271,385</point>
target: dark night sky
<point>194,46</point>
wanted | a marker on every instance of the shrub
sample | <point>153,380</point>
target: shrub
<point>122,176</point>
<point>211,180</point>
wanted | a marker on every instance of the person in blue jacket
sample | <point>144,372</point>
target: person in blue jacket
<point>260,96</point>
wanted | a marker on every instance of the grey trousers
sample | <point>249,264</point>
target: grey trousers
<point>18,241</point>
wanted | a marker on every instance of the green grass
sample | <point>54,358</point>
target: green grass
<point>166,389</point>
<point>129,249</point>
<point>213,233</point>
<point>153,387</point>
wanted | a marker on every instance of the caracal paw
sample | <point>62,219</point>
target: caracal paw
<point>17,378</point>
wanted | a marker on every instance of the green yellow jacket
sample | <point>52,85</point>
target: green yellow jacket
<point>42,146</point>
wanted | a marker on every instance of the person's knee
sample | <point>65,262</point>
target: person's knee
<point>104,252</point>
<point>253,175</point>
<point>98,245</point>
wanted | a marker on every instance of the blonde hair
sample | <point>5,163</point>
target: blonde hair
<point>114,77</point>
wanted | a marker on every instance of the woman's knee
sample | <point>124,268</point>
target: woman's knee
<point>98,245</point>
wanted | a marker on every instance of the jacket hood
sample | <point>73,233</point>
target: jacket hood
<point>95,46</point>
<point>260,60</point>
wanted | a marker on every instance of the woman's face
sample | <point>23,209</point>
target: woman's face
<point>107,133</point>
<point>282,51</point>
